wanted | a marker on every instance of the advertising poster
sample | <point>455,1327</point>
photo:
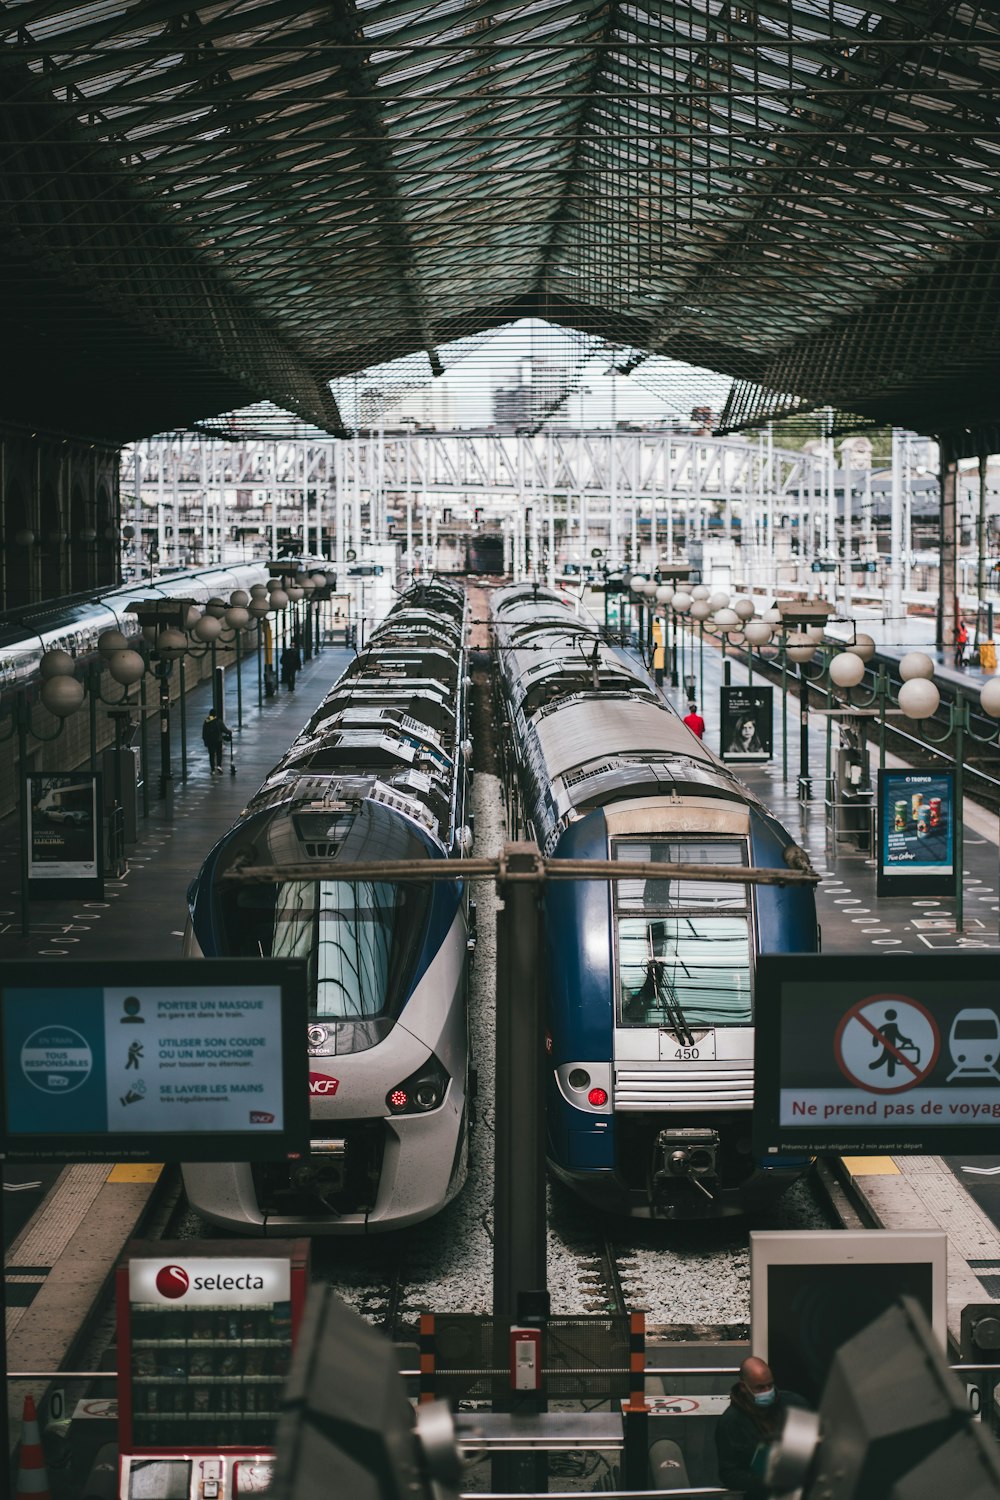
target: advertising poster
<point>122,1065</point>
<point>888,1054</point>
<point>746,717</point>
<point>916,816</point>
<point>64,833</point>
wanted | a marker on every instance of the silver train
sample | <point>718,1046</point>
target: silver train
<point>378,773</point>
<point>75,626</point>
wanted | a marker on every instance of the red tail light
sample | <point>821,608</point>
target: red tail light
<point>598,1097</point>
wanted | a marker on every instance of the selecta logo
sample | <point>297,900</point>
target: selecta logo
<point>321,1083</point>
<point>172,1281</point>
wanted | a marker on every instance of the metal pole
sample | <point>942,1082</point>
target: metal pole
<point>784,711</point>
<point>93,693</point>
<point>23,713</point>
<point>166,776</point>
<point>519,1257</point>
<point>182,700</point>
<point>896,540</point>
<point>144,746</point>
<point>239,679</point>
<point>980,546</point>
<point>961,715</point>
<point>260,663</point>
<point>520,1293</point>
<point>805,785</point>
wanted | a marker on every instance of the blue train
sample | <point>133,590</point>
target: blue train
<point>649,983</point>
<point>378,773</point>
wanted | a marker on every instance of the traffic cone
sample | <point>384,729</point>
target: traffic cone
<point>32,1476</point>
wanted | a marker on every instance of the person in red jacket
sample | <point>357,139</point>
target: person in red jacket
<point>961,641</point>
<point>694,721</point>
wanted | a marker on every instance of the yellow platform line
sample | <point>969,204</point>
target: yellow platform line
<point>142,1171</point>
<point>871,1166</point>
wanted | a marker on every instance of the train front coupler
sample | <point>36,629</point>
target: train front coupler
<point>685,1155</point>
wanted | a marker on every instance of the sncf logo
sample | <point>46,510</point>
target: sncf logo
<point>319,1083</point>
<point>172,1281</point>
<point>261,1117</point>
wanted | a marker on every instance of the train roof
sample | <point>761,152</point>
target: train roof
<point>389,730</point>
<point>590,727</point>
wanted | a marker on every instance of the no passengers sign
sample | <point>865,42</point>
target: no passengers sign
<point>887,1054</point>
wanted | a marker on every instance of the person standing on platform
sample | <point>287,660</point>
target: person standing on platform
<point>961,641</point>
<point>752,1421</point>
<point>215,732</point>
<point>291,665</point>
<point>694,721</point>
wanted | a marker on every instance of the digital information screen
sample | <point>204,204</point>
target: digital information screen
<point>188,1060</point>
<point>916,833</point>
<point>862,1054</point>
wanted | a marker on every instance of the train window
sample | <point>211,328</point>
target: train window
<point>683,945</point>
<point>361,940</point>
<point>641,895</point>
<point>690,968</point>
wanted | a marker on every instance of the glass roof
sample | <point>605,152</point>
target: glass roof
<point>371,180</point>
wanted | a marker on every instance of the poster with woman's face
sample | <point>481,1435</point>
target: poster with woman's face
<point>746,720</point>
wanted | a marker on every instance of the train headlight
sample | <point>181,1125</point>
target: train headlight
<point>423,1091</point>
<point>579,1078</point>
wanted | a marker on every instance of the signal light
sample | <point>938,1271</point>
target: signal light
<point>424,1090</point>
<point>598,1098</point>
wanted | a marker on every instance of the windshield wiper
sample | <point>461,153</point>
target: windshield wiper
<point>656,987</point>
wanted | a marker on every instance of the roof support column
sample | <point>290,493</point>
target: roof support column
<point>947,593</point>
<point>896,541</point>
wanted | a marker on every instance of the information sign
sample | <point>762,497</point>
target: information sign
<point>64,834</point>
<point>186,1060</point>
<point>746,717</point>
<point>916,839</point>
<point>892,1053</point>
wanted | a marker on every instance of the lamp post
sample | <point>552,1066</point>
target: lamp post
<point>801,648</point>
<point>680,604</point>
<point>664,594</point>
<point>757,633</point>
<point>126,665</point>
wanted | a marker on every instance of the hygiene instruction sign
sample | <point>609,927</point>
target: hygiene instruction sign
<point>192,1060</point>
<point>863,1054</point>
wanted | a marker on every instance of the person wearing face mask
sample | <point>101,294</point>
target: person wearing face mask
<point>755,1416</point>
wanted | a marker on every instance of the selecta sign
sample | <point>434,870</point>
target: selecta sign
<point>200,1281</point>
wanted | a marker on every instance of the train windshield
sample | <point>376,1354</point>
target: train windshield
<point>683,944</point>
<point>361,939</point>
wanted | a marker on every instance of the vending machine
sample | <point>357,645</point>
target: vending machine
<point>206,1330</point>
